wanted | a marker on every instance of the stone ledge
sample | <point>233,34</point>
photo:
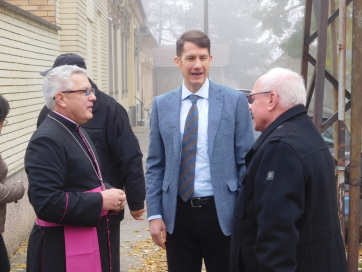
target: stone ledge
<point>28,15</point>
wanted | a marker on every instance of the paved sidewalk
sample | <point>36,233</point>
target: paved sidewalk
<point>132,231</point>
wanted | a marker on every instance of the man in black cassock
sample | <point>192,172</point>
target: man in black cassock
<point>118,148</point>
<point>66,188</point>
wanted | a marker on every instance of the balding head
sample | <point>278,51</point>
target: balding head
<point>287,84</point>
<point>273,93</point>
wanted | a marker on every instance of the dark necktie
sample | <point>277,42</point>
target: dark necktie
<point>188,154</point>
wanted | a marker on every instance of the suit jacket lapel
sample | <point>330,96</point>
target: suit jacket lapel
<point>174,118</point>
<point>215,110</point>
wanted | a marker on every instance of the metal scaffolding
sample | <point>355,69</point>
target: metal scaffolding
<point>344,99</point>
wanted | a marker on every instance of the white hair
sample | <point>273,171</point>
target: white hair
<point>287,84</point>
<point>58,80</point>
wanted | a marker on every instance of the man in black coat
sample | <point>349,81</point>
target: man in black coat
<point>286,214</point>
<point>118,149</point>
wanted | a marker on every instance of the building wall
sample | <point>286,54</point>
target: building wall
<point>97,41</point>
<point>25,47</point>
<point>30,41</point>
<point>130,76</point>
<point>117,60</point>
<point>146,58</point>
<point>26,44</point>
<point>84,32</point>
<point>29,45</point>
<point>124,25</point>
<point>146,95</point>
<point>42,8</point>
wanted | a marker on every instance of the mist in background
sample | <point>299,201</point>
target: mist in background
<point>248,37</point>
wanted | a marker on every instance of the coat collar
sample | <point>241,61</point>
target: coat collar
<point>285,116</point>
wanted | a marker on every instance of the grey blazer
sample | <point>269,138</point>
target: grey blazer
<point>230,136</point>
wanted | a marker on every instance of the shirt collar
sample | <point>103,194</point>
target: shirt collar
<point>202,92</point>
<point>64,120</point>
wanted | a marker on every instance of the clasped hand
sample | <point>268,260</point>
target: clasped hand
<point>114,200</point>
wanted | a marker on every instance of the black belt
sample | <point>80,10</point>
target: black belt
<point>198,202</point>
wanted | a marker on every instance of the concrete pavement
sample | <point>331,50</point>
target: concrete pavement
<point>132,231</point>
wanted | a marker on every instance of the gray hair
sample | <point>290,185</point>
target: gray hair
<point>58,80</point>
<point>287,84</point>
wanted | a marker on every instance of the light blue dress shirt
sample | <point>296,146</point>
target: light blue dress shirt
<point>202,185</point>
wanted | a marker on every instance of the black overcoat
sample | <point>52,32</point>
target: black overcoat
<point>60,170</point>
<point>286,214</point>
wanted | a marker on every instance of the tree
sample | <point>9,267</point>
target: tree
<point>230,22</point>
<point>164,18</point>
<point>257,32</point>
<point>282,23</point>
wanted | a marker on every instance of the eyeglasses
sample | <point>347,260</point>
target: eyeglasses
<point>86,92</point>
<point>250,97</point>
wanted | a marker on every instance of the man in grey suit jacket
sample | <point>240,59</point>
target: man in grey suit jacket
<point>198,228</point>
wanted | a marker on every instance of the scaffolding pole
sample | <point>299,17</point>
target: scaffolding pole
<point>341,114</point>
<point>315,85</point>
<point>356,127</point>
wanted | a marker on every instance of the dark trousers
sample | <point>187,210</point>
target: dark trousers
<point>197,235</point>
<point>114,228</point>
<point>4,259</point>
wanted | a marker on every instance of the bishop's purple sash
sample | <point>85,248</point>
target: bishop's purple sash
<point>81,245</point>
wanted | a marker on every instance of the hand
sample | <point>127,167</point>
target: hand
<point>138,214</point>
<point>158,232</point>
<point>113,199</point>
